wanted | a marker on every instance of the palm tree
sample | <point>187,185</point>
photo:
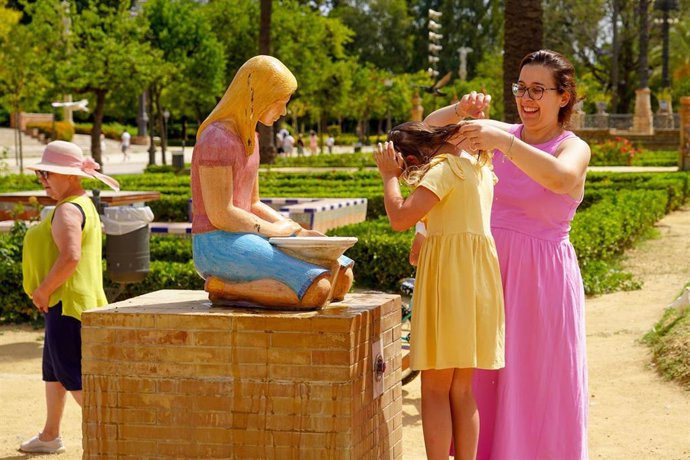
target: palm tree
<point>523,32</point>
<point>267,149</point>
<point>643,63</point>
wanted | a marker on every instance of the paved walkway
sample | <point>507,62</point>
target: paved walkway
<point>113,160</point>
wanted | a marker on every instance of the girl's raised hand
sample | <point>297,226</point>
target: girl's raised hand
<point>388,161</point>
<point>474,105</point>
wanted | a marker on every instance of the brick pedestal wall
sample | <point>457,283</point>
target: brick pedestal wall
<point>168,376</point>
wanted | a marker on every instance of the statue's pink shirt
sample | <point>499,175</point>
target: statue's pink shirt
<point>219,147</point>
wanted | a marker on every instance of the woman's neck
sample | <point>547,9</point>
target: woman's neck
<point>540,135</point>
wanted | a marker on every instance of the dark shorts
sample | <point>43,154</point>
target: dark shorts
<point>62,349</point>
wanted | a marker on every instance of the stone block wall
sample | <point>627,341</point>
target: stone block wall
<point>168,376</point>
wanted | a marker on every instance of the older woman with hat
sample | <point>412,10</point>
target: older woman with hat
<point>63,275</point>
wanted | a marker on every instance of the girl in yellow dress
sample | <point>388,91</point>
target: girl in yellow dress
<point>457,324</point>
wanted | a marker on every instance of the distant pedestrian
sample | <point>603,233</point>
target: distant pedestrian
<point>288,144</point>
<point>103,146</point>
<point>313,144</point>
<point>126,137</point>
<point>330,142</point>
<point>300,146</point>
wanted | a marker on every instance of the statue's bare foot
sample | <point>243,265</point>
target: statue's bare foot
<point>343,283</point>
<point>267,293</point>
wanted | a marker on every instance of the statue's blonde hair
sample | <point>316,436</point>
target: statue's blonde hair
<point>259,83</point>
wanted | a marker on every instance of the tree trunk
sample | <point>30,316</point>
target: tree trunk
<point>614,58</point>
<point>267,148</point>
<point>161,124</point>
<point>643,67</point>
<point>97,127</point>
<point>152,145</point>
<point>523,27</point>
<point>18,127</point>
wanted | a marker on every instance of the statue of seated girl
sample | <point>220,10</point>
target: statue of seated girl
<point>231,226</point>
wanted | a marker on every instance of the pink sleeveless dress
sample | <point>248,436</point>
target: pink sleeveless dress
<point>536,407</point>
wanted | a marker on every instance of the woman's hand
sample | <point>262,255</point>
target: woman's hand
<point>40,299</point>
<point>474,104</point>
<point>478,135</point>
<point>388,161</point>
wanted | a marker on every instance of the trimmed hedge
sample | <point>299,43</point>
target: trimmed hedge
<point>670,347</point>
<point>624,208</point>
<point>63,130</point>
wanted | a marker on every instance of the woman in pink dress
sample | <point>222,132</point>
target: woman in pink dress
<point>536,407</point>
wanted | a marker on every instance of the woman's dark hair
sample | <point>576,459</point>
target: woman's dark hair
<point>563,73</point>
<point>418,143</point>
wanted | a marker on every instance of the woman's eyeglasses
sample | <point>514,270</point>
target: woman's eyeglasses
<point>42,174</point>
<point>535,92</point>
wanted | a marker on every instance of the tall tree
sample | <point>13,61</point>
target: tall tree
<point>22,80</point>
<point>309,41</point>
<point>382,31</point>
<point>234,24</point>
<point>193,58</point>
<point>643,62</point>
<point>523,34</point>
<point>267,146</point>
<point>105,54</point>
<point>469,24</point>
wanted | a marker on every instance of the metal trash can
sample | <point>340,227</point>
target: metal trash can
<point>127,242</point>
<point>178,161</point>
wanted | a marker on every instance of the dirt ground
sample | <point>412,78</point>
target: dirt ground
<point>634,414</point>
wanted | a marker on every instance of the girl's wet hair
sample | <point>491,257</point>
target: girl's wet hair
<point>418,143</point>
<point>563,74</point>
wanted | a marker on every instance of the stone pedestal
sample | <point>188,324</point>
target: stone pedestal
<point>643,120</point>
<point>664,116</point>
<point>168,376</point>
<point>684,163</point>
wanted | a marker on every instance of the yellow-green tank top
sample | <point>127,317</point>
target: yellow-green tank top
<point>84,289</point>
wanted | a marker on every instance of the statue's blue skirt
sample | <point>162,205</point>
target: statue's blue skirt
<point>244,257</point>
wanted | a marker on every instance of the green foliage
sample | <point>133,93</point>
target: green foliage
<point>170,248</point>
<point>614,152</point>
<point>339,160</point>
<point>15,307</point>
<point>382,32</point>
<point>162,275</point>
<point>112,130</point>
<point>157,169</point>
<point>234,23</point>
<point>22,77</point>
<point>668,340</point>
<point>380,255</point>
<point>190,76</point>
<point>62,130</point>
<point>656,157</point>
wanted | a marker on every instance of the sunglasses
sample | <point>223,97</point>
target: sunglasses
<point>42,174</point>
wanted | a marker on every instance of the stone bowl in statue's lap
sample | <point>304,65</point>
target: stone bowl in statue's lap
<point>319,250</point>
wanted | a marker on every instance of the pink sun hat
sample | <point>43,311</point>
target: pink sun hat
<point>66,158</point>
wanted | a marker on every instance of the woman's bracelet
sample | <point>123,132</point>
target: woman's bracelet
<point>507,152</point>
<point>455,109</point>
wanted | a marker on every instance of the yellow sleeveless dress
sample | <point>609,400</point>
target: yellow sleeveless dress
<point>84,289</point>
<point>458,319</point>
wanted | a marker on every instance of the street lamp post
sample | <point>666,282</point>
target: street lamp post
<point>462,71</point>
